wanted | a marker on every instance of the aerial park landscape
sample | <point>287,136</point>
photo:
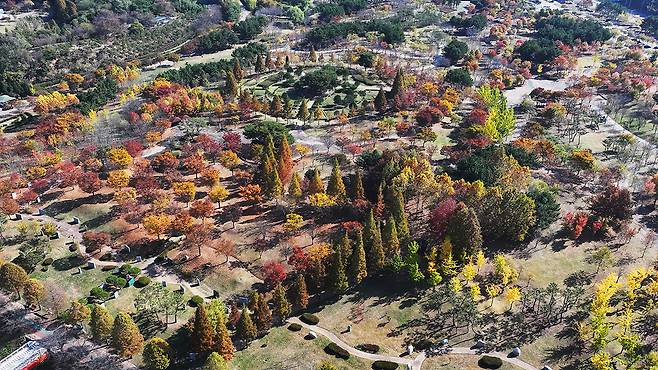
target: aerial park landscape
<point>328,184</point>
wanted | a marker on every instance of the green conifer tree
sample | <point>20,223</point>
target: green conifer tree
<point>315,185</point>
<point>358,191</point>
<point>358,269</point>
<point>204,334</point>
<point>373,244</point>
<point>381,104</point>
<point>337,278</point>
<point>246,330</point>
<point>126,338</point>
<point>281,305</point>
<point>335,186</point>
<point>390,238</point>
<point>101,324</point>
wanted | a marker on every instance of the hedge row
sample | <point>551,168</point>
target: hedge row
<point>384,365</point>
<point>336,350</point>
<point>309,318</point>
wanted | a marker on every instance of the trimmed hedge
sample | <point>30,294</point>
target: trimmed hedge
<point>294,327</point>
<point>309,318</point>
<point>196,301</point>
<point>384,365</point>
<point>47,262</point>
<point>367,347</point>
<point>143,281</point>
<point>336,350</point>
<point>490,362</point>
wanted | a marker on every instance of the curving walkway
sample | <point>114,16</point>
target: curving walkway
<point>415,363</point>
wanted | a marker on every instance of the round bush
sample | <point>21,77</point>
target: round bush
<point>384,365</point>
<point>490,362</point>
<point>143,281</point>
<point>336,350</point>
<point>196,301</point>
<point>367,347</point>
<point>47,262</point>
<point>294,327</point>
<point>309,318</point>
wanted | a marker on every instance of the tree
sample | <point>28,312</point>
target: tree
<point>89,182</point>
<point>157,224</point>
<point>295,188</point>
<point>303,113</point>
<point>237,69</point>
<point>202,208</point>
<point>77,313</point>
<point>459,76</point>
<point>118,179</point>
<point>126,338</point>
<point>397,84</point>
<point>273,273</point>
<point>120,157</point>
<point>194,164</point>
<point>464,232</point>
<point>337,278</point>
<point>12,278</point>
<point>276,106</point>
<point>373,243</point>
<point>512,295</point>
<point>246,330</point>
<point>157,354</point>
<point>455,50</point>
<point>101,324</point>
<point>215,362</point>
<point>602,257</point>
<point>358,270</point>
<point>223,341</point>
<point>614,203</point>
<point>301,293</point>
<point>95,240</point>
<point>231,85</point>
<point>315,184</point>
<point>381,104</point>
<point>396,208</point>
<point>358,192</point>
<point>335,186</point>
<point>203,337</point>
<point>390,238</point>
<point>285,164</point>
<point>217,194</point>
<point>33,292</point>
<point>281,305</point>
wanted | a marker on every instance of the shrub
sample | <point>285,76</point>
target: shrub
<point>143,281</point>
<point>47,262</point>
<point>196,301</point>
<point>459,76</point>
<point>116,281</point>
<point>367,347</point>
<point>294,327</point>
<point>336,350</point>
<point>309,318</point>
<point>99,293</point>
<point>128,269</point>
<point>490,362</point>
<point>384,365</point>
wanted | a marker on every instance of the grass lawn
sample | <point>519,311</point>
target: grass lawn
<point>283,349</point>
<point>458,362</point>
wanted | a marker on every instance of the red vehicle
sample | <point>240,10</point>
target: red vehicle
<point>27,357</point>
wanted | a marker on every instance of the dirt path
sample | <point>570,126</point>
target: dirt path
<point>415,363</point>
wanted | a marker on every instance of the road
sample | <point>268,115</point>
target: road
<point>415,363</point>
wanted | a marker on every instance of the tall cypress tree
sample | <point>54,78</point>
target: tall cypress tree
<point>337,278</point>
<point>126,338</point>
<point>464,232</point>
<point>260,64</point>
<point>345,248</point>
<point>263,315</point>
<point>397,84</point>
<point>397,211</point>
<point>358,268</point>
<point>231,84</point>
<point>303,113</point>
<point>281,304</point>
<point>215,362</point>
<point>357,188</point>
<point>335,186</point>
<point>223,343</point>
<point>238,73</point>
<point>204,334</point>
<point>373,243</point>
<point>315,185</point>
<point>246,330</point>
<point>285,160</point>
<point>295,187</point>
<point>381,104</point>
<point>301,293</point>
<point>276,107</point>
<point>101,324</point>
<point>390,238</point>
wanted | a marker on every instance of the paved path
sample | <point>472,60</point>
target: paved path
<point>415,363</point>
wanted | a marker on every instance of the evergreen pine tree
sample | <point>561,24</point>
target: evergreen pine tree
<point>254,300</point>
<point>276,190</point>
<point>223,343</point>
<point>373,242</point>
<point>390,238</point>
<point>313,56</point>
<point>397,84</point>
<point>397,210</point>
<point>381,104</point>
<point>238,73</point>
<point>357,189</point>
<point>263,315</point>
<point>269,62</point>
<point>358,268</point>
<point>246,330</point>
<point>465,234</point>
<point>379,204</point>
<point>301,293</point>
<point>285,160</point>
<point>231,85</point>
<point>276,107</point>
<point>345,248</point>
<point>157,354</point>
<point>337,278</point>
<point>295,187</point>
<point>204,334</point>
<point>215,362</point>
<point>335,186</point>
<point>260,64</point>
<point>303,113</point>
<point>126,338</point>
<point>281,305</point>
<point>101,324</point>
<point>315,185</point>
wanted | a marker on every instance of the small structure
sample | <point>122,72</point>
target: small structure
<point>479,344</point>
<point>444,342</point>
<point>138,259</point>
<point>312,335</point>
<point>546,367</point>
<point>18,216</point>
<point>91,265</point>
<point>215,293</point>
<point>79,270</point>
<point>197,282</point>
<point>516,352</point>
<point>164,283</point>
<point>55,236</point>
<point>410,349</point>
<point>125,249</point>
<point>116,294</point>
<point>41,212</point>
<point>349,328</point>
<point>76,221</point>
